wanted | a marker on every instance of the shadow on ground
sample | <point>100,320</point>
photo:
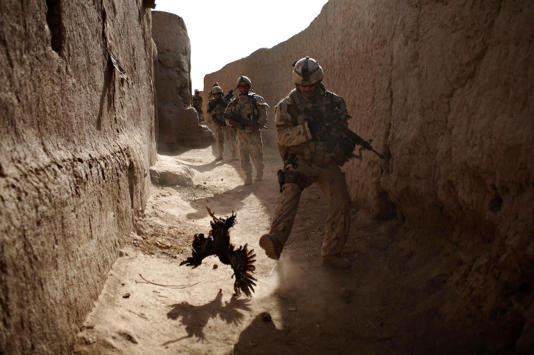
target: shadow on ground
<point>228,201</point>
<point>195,318</point>
<point>205,167</point>
<point>390,301</point>
<point>224,203</point>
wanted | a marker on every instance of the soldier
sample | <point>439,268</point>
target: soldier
<point>196,102</point>
<point>307,160</point>
<point>248,114</point>
<point>216,106</point>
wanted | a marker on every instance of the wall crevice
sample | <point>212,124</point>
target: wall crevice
<point>55,24</point>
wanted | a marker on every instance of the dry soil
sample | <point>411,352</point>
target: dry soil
<point>387,302</point>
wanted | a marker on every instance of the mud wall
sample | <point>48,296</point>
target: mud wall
<point>445,89</point>
<point>76,140</point>
<point>178,123</point>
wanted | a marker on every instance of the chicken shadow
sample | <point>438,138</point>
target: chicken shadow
<point>195,318</point>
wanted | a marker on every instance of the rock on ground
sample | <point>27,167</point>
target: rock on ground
<point>166,172</point>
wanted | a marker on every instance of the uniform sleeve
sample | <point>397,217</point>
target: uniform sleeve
<point>228,110</point>
<point>288,133</point>
<point>262,110</point>
<point>342,107</point>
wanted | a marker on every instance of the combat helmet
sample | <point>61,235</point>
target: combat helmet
<point>216,90</point>
<point>307,71</point>
<point>243,79</point>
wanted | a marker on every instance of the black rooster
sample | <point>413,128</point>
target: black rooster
<point>218,243</point>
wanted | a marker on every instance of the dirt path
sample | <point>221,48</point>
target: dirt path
<point>378,306</point>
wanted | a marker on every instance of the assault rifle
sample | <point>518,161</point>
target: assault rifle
<point>212,104</point>
<point>236,117</point>
<point>339,139</point>
<point>229,96</point>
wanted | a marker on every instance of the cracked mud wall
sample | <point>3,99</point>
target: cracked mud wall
<point>178,123</point>
<point>445,90</point>
<point>76,139</point>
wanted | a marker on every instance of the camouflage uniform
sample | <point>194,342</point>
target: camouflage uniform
<point>196,102</point>
<point>306,162</point>
<point>252,109</point>
<point>231,139</point>
<point>222,132</point>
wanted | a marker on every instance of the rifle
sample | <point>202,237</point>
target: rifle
<point>339,139</point>
<point>236,117</point>
<point>212,105</point>
<point>229,96</point>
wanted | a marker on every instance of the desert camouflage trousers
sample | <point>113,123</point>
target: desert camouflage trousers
<point>224,134</point>
<point>331,180</point>
<point>250,147</point>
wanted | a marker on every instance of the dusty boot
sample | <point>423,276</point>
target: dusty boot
<point>336,261</point>
<point>218,158</point>
<point>271,245</point>
<point>259,177</point>
<point>248,180</point>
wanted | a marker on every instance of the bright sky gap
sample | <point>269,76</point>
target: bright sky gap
<point>224,31</point>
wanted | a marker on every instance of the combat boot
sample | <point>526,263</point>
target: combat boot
<point>259,177</point>
<point>271,245</point>
<point>337,261</point>
<point>248,179</point>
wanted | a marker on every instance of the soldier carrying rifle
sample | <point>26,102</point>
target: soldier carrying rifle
<point>247,113</point>
<point>314,141</point>
<point>223,133</point>
<point>196,102</point>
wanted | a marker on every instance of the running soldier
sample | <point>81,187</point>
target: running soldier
<point>307,160</point>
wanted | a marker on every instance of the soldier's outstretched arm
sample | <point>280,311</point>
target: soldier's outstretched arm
<point>289,134</point>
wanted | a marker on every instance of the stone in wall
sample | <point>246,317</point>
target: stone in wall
<point>445,89</point>
<point>76,140</point>
<point>178,123</point>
